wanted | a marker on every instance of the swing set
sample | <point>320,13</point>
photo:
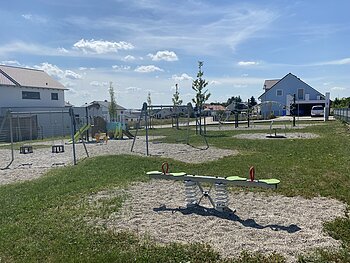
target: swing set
<point>147,114</point>
<point>26,127</point>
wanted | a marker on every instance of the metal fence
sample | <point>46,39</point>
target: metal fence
<point>342,114</point>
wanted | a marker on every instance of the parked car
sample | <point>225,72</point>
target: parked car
<point>317,110</point>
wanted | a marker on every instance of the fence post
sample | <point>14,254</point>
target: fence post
<point>71,113</point>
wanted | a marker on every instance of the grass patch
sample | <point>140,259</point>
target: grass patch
<point>41,220</point>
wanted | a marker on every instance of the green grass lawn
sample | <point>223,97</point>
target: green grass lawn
<point>43,220</point>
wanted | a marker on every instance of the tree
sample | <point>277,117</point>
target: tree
<point>176,102</point>
<point>202,95</point>
<point>341,103</point>
<point>233,99</point>
<point>149,101</point>
<point>112,107</point>
<point>176,97</point>
<point>252,102</point>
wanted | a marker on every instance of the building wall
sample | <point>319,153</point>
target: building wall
<point>50,122</point>
<point>11,96</point>
<point>278,104</point>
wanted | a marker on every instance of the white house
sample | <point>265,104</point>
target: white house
<point>24,87</point>
<point>101,109</point>
<point>168,112</point>
<point>279,94</point>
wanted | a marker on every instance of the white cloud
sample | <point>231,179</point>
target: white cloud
<point>71,75</point>
<point>120,68</point>
<point>82,68</point>
<point>215,82</point>
<point>98,84</point>
<point>248,63</point>
<point>11,62</point>
<point>52,70</point>
<point>71,91</point>
<point>27,16</point>
<point>344,61</point>
<point>34,18</point>
<point>128,58</point>
<point>62,50</point>
<point>147,69</point>
<point>338,88</point>
<point>133,89</point>
<point>101,46</point>
<point>240,85</point>
<point>56,72</point>
<point>164,55</point>
<point>183,77</point>
<point>70,85</point>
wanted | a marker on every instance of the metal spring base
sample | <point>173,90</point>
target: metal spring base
<point>194,193</point>
<point>191,193</point>
<point>221,196</point>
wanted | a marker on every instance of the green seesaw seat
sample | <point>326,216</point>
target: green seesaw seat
<point>169,174</point>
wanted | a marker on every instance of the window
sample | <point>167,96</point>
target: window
<point>54,96</point>
<point>300,94</point>
<point>279,92</point>
<point>30,95</point>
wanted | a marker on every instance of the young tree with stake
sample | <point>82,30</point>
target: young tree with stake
<point>176,102</point>
<point>112,108</point>
<point>202,95</point>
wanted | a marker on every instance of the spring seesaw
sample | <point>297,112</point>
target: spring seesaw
<point>194,192</point>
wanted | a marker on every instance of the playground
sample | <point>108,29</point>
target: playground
<point>262,223</point>
<point>107,202</point>
<point>34,165</point>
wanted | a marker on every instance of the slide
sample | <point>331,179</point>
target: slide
<point>128,134</point>
<point>83,129</point>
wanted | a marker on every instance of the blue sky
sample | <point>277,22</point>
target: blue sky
<point>149,46</point>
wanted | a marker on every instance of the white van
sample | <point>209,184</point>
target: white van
<point>317,110</point>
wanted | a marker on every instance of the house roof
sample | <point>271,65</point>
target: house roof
<point>214,107</point>
<point>269,83</point>
<point>26,77</point>
<point>289,74</point>
<point>104,103</point>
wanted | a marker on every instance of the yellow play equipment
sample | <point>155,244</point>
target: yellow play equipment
<point>80,132</point>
